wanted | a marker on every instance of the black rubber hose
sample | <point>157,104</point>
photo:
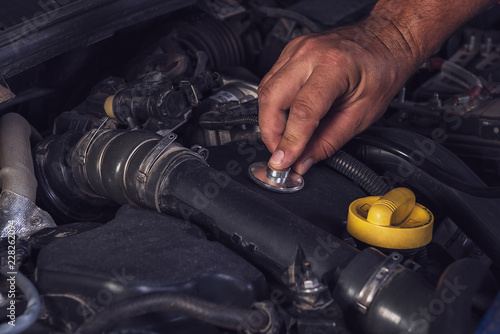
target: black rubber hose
<point>359,173</point>
<point>405,302</point>
<point>178,181</point>
<point>215,314</point>
<point>414,144</point>
<point>456,289</point>
<point>435,171</point>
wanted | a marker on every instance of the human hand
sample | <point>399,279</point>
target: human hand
<point>334,84</point>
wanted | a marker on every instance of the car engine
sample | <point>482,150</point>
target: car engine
<point>131,202</point>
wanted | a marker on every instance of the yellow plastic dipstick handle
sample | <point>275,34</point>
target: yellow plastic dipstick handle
<point>393,221</point>
<point>393,208</point>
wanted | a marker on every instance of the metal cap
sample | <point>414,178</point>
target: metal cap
<point>282,181</point>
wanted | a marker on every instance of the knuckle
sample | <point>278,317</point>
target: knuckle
<point>298,40</point>
<point>293,140</point>
<point>308,46</point>
<point>313,44</point>
<point>335,57</point>
<point>266,96</point>
<point>302,110</point>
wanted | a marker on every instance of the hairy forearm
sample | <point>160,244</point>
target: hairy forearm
<point>414,29</point>
<point>325,88</point>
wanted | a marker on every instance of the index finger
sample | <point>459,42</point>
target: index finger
<point>275,98</point>
<point>310,105</point>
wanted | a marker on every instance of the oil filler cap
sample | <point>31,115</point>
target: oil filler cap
<point>282,181</point>
<point>393,221</point>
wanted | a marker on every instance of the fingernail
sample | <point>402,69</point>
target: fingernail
<point>306,165</point>
<point>277,158</point>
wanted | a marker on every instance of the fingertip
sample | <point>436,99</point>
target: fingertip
<point>276,161</point>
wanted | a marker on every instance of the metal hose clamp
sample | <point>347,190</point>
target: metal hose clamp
<point>389,267</point>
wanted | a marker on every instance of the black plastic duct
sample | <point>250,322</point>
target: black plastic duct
<point>155,172</point>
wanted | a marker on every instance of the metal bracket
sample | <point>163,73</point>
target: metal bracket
<point>21,216</point>
<point>377,280</point>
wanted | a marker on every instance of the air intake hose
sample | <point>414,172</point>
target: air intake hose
<point>381,296</point>
<point>147,170</point>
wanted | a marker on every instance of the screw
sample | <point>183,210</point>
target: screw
<point>36,221</point>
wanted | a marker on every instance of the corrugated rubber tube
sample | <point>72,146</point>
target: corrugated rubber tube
<point>358,172</point>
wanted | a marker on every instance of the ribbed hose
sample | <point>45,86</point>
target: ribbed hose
<point>359,173</point>
<point>213,124</point>
<point>218,315</point>
<point>244,120</point>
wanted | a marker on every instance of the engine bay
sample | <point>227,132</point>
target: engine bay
<point>127,135</point>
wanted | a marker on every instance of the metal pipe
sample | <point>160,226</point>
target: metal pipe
<point>16,165</point>
<point>19,215</point>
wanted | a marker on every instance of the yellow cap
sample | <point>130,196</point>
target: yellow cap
<point>392,221</point>
<point>108,106</point>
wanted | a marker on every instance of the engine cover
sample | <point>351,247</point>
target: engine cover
<point>140,252</point>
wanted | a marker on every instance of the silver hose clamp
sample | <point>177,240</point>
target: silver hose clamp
<point>388,268</point>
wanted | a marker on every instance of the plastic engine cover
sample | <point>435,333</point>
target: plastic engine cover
<point>139,252</point>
